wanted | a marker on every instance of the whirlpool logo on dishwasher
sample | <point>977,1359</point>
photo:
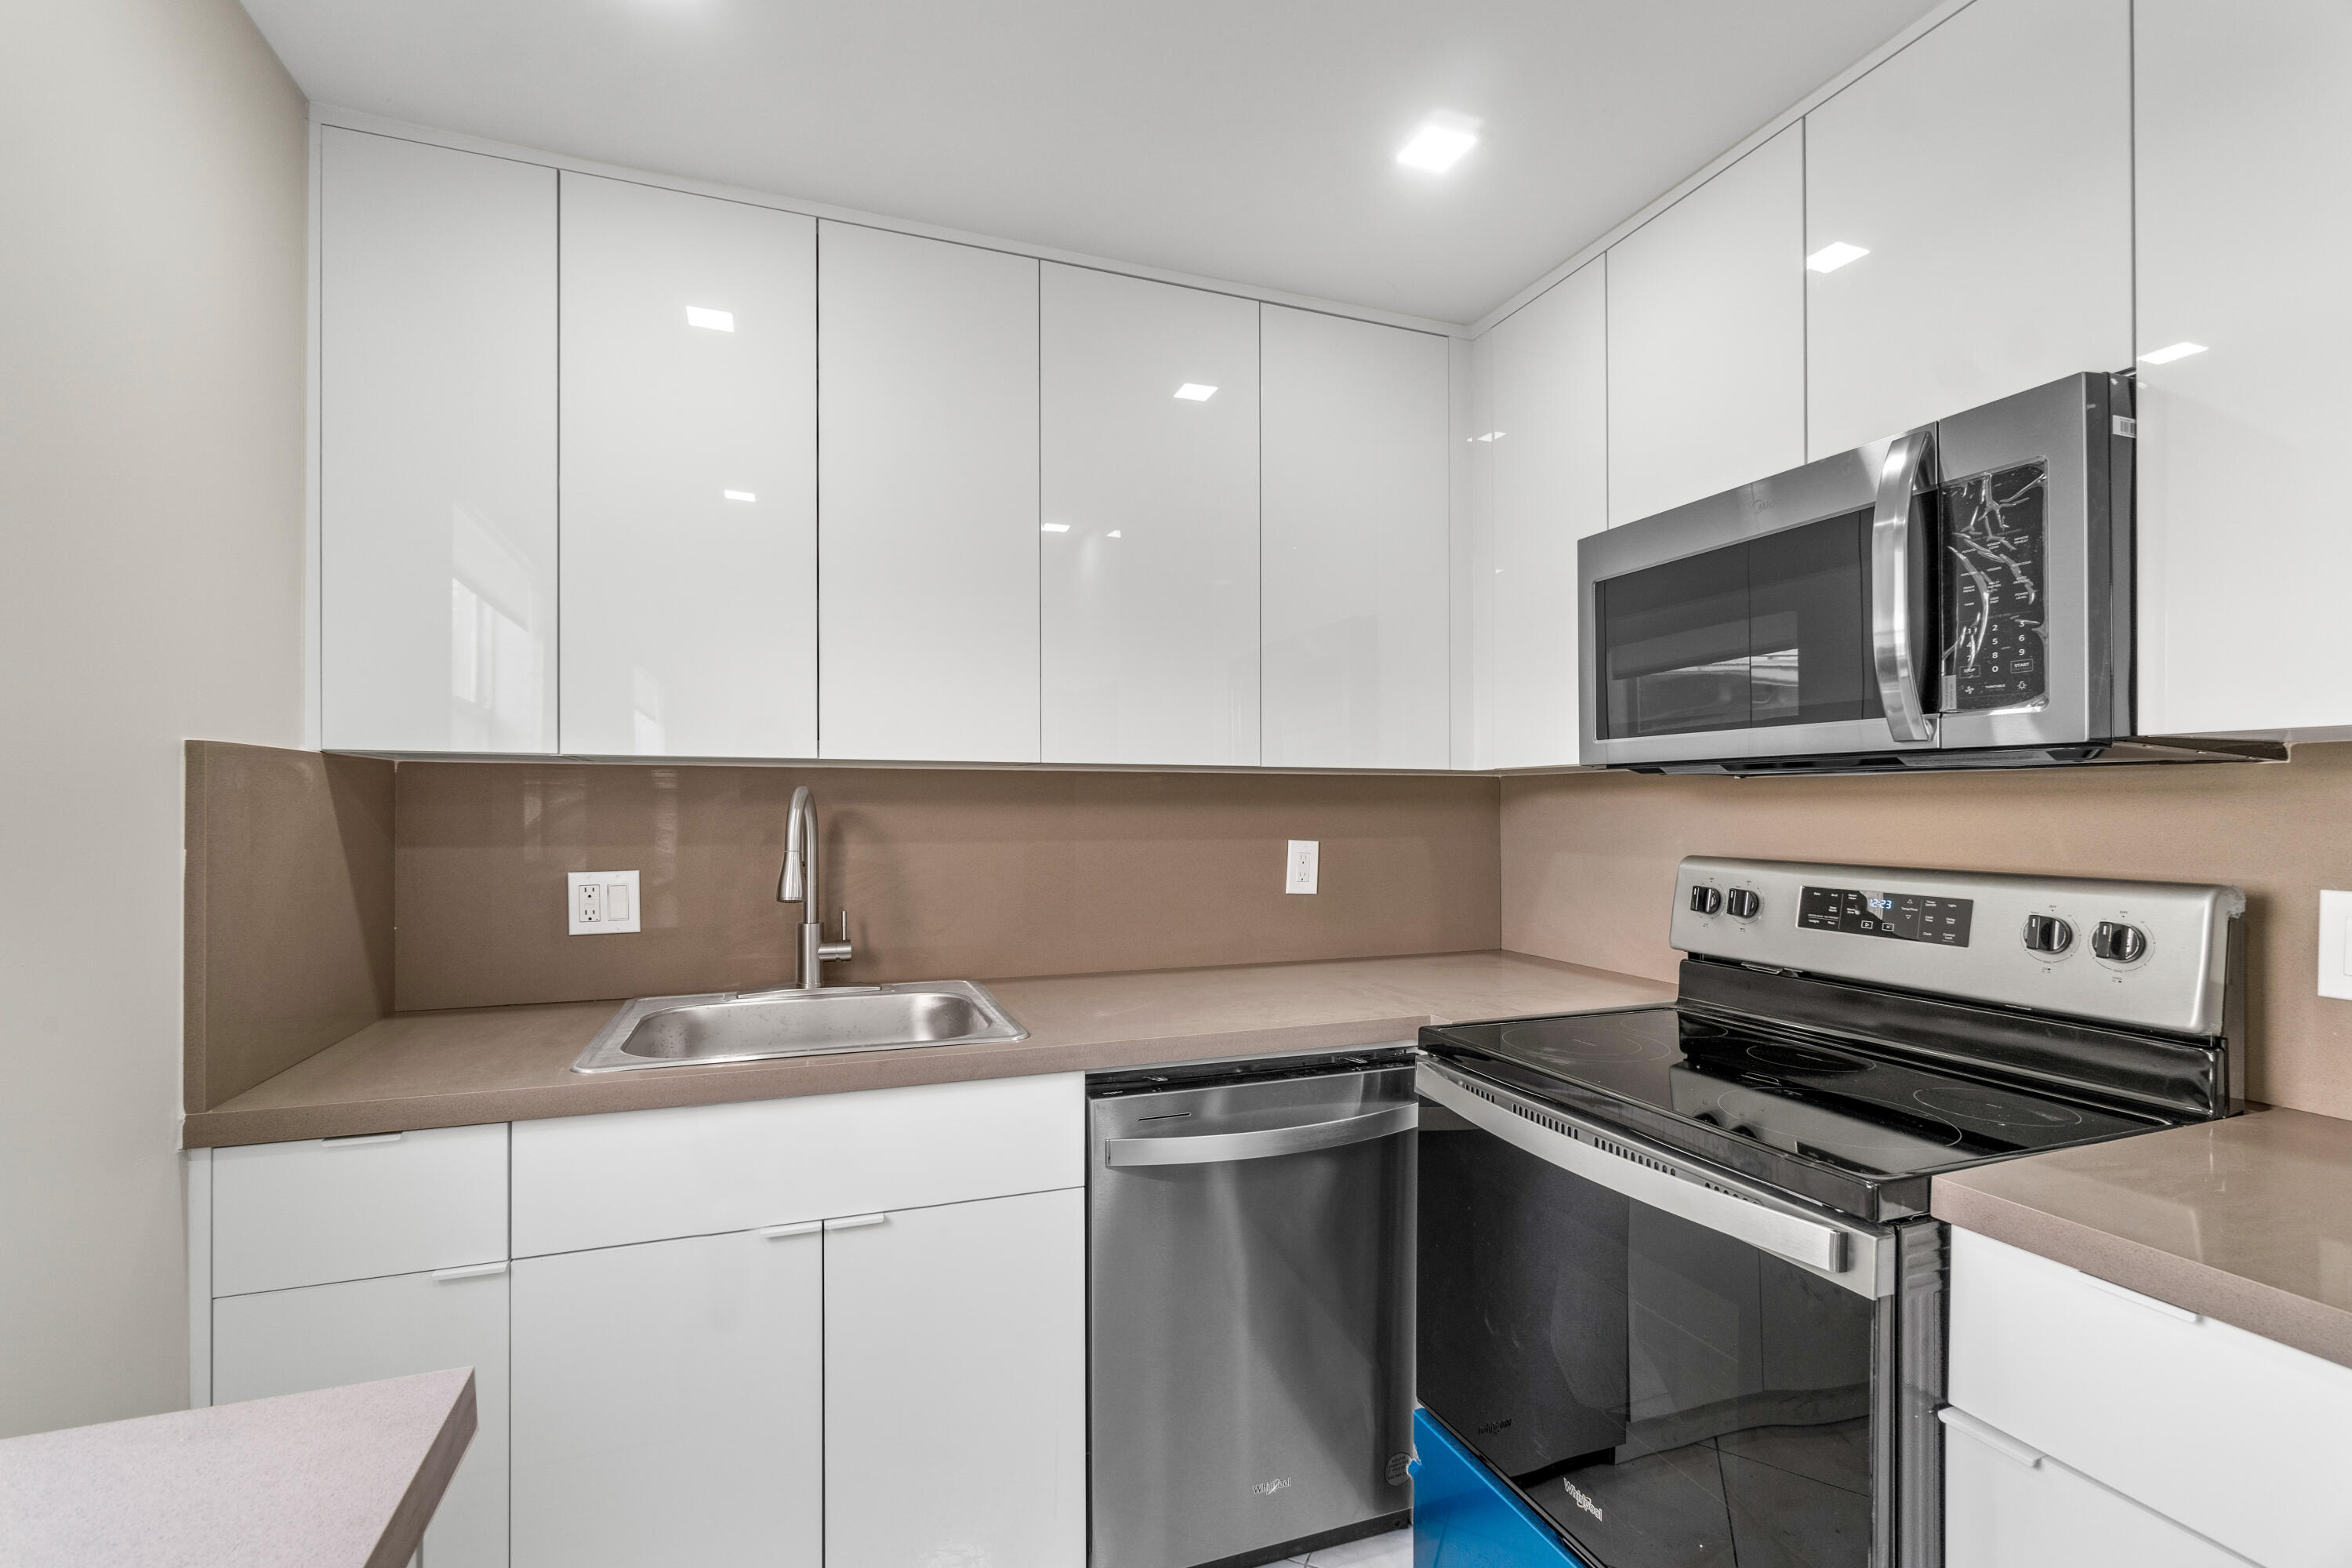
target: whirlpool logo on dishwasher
<point>1268,1489</point>
<point>1586,1503</point>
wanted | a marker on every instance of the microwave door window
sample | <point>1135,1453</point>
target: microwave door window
<point>1674,646</point>
<point>1809,624</point>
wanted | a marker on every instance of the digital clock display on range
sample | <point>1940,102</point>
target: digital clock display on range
<point>1905,916</point>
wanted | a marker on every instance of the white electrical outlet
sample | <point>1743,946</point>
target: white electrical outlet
<point>2336,944</point>
<point>602,902</point>
<point>1298,871</point>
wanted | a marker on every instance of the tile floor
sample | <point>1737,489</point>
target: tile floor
<point>1394,1550</point>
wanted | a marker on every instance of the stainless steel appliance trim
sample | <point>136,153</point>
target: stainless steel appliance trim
<point>1857,1259</point>
<point>1263,1143</point>
<point>1897,576</point>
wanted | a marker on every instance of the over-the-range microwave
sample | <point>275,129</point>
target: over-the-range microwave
<point>1957,596</point>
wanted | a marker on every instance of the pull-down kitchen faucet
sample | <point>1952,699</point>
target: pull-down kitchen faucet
<point>798,886</point>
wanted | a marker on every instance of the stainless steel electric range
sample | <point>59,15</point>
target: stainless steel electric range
<point>1677,1285</point>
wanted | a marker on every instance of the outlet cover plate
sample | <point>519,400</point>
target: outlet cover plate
<point>1303,866</point>
<point>603,903</point>
<point>2336,944</point>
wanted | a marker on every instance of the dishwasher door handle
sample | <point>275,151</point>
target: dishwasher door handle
<point>1216,1148</point>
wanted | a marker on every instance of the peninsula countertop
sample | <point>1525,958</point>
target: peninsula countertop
<point>415,1070</point>
<point>2247,1220</point>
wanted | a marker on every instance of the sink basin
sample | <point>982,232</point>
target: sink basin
<point>742,1026</point>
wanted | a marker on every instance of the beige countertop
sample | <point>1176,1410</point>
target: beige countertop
<point>506,1064</point>
<point>344,1478</point>
<point>2248,1221</point>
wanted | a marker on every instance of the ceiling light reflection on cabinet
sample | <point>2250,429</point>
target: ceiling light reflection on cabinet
<point>2172,351</point>
<point>716,320</point>
<point>1052,528</point>
<point>1193,391</point>
<point>738,495</point>
<point>1834,255</point>
<point>1112,534</point>
<point>1489,435</point>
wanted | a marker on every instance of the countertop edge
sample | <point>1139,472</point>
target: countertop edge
<point>2285,1316</point>
<point>669,1088</point>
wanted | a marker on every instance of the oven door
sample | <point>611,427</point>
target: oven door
<point>1676,1371</point>
<point>1784,619</point>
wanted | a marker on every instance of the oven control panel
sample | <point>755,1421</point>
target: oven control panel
<point>2154,954</point>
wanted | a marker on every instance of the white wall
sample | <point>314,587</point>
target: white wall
<point>151,322</point>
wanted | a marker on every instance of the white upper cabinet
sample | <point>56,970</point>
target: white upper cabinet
<point>1542,447</point>
<point>688,475</point>
<point>1149,529</point>
<point>927,500</point>
<point>2244,551</point>
<point>1356,551</point>
<point>1706,337</point>
<point>1987,171</point>
<point>437,448</point>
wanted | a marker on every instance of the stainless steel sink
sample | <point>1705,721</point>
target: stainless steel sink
<point>742,1026</point>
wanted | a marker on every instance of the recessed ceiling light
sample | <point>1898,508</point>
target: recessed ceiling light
<point>1193,391</point>
<point>1438,146</point>
<point>716,320</point>
<point>1833,255</point>
<point>738,495</point>
<point>2166,355</point>
<point>1052,528</point>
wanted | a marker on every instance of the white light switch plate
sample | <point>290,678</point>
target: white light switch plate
<point>1300,868</point>
<point>602,902</point>
<point>2335,945</point>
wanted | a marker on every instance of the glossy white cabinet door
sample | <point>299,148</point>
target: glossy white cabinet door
<point>689,474</point>
<point>669,1404</point>
<point>1987,169</point>
<point>2238,1437</point>
<point>1706,337</point>
<point>2008,1507</point>
<point>1544,446</point>
<point>1356,543</point>
<point>290,1341</point>
<point>436,448</point>
<point>1149,522</point>
<point>955,1425</point>
<point>2244,548</point>
<point>927,500</point>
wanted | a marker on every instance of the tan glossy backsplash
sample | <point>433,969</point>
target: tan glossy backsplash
<point>1588,863</point>
<point>946,874</point>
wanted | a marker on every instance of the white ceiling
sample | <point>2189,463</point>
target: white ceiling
<point>1246,139</point>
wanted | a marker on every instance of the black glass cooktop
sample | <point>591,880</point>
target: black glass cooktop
<point>1848,1126</point>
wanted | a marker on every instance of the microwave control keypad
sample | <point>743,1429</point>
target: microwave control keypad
<point>1995,619</point>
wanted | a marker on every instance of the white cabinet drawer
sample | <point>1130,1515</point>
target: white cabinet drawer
<point>2239,1438</point>
<point>2007,1507</point>
<point>353,1208</point>
<point>644,1175</point>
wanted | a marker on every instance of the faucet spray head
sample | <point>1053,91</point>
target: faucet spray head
<point>792,888</point>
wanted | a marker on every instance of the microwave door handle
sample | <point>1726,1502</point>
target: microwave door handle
<point>1897,567</point>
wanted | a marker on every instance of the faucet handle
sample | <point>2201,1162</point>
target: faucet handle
<point>834,952</point>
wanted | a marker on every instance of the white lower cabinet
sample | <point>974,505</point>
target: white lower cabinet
<point>321,1336</point>
<point>955,1385</point>
<point>2006,1506</point>
<point>669,1404</point>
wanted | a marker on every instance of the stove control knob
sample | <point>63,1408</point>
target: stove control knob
<point>2119,943</point>
<point>2048,933</point>
<point>1743,903</point>
<point>1706,900</point>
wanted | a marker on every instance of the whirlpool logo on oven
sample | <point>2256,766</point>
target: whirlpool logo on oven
<point>1268,1489</point>
<point>1586,1503</point>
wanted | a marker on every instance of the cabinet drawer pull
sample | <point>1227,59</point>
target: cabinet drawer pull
<point>470,1271</point>
<point>805,1228</point>
<point>857,1222</point>
<point>1992,1437</point>
<point>2165,1309</point>
<point>354,1141</point>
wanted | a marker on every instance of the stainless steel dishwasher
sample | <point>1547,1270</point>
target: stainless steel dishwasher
<point>1250,1307</point>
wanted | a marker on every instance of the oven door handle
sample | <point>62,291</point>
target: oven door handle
<point>1898,575</point>
<point>1788,1235</point>
<point>1217,1148</point>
